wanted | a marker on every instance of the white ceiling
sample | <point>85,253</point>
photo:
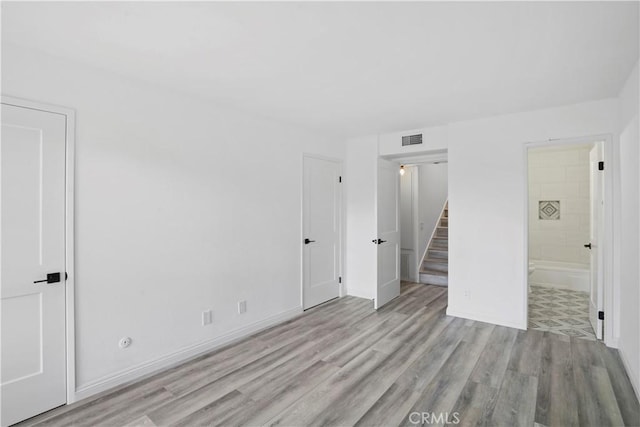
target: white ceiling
<point>350,68</point>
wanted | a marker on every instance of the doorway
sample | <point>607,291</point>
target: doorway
<point>38,371</point>
<point>424,222</point>
<point>414,217</point>
<point>566,238</point>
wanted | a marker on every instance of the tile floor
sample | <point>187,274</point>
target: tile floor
<point>561,311</point>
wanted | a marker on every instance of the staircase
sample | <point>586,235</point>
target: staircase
<point>435,266</point>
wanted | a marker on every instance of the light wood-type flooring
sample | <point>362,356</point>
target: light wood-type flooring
<point>343,364</point>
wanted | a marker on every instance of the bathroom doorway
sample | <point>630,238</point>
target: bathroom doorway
<point>566,238</point>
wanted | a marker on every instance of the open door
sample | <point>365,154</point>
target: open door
<point>596,299</point>
<point>388,240</point>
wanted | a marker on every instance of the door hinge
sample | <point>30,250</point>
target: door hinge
<point>66,276</point>
<point>340,179</point>
<point>600,166</point>
<point>601,315</point>
<point>339,279</point>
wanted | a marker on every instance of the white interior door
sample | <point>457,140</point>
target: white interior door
<point>596,236</point>
<point>33,375</point>
<point>388,241</point>
<point>321,227</point>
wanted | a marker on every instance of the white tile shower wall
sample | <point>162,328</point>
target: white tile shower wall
<point>559,174</point>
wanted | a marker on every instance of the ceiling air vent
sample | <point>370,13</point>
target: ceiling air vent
<point>412,139</point>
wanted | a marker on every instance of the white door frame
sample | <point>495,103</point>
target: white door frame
<point>69,231</point>
<point>341,221</point>
<point>607,245</point>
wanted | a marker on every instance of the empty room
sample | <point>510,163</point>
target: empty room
<point>319,213</point>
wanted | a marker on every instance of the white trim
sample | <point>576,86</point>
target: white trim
<point>417,158</point>
<point>433,233</point>
<point>180,356</point>
<point>415,177</point>
<point>341,220</point>
<point>610,167</point>
<point>361,293</point>
<point>69,230</point>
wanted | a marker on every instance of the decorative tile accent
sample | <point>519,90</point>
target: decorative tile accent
<point>549,209</point>
<point>561,311</point>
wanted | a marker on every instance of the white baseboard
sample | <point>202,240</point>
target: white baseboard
<point>177,357</point>
<point>483,318</point>
<point>360,293</point>
<point>633,376</point>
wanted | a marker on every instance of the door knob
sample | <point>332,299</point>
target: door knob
<point>588,246</point>
<point>51,278</point>
<point>378,241</point>
<point>307,241</point>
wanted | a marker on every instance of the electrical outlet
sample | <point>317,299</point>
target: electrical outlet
<point>207,317</point>
<point>242,307</point>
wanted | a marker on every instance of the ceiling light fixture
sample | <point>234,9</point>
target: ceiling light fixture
<point>401,169</point>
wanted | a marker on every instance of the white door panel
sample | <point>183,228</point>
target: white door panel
<point>33,368</point>
<point>388,218</point>
<point>597,237</point>
<point>321,226</point>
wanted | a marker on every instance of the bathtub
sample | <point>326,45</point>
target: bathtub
<point>560,275</point>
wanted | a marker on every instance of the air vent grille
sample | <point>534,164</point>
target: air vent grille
<point>412,139</point>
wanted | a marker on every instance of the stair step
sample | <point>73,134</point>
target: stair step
<point>436,265</point>
<point>437,278</point>
<point>444,222</point>
<point>442,232</point>
<point>439,244</point>
<point>436,253</point>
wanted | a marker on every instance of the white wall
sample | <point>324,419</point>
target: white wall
<point>433,192</point>
<point>560,174</point>
<point>487,258</point>
<point>180,207</point>
<point>629,300</point>
<point>487,199</point>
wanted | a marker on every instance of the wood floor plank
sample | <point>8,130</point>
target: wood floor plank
<point>556,402</point>
<point>198,392</point>
<point>363,341</point>
<point>441,395</point>
<point>516,401</point>
<point>625,395</point>
<point>321,403</point>
<point>216,412</point>
<point>526,353</point>
<point>475,405</point>
<point>494,360</point>
<point>391,407</point>
<point>597,405</point>
<point>326,407</point>
<point>344,363</point>
<point>129,409</point>
<point>143,421</point>
<point>272,398</point>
